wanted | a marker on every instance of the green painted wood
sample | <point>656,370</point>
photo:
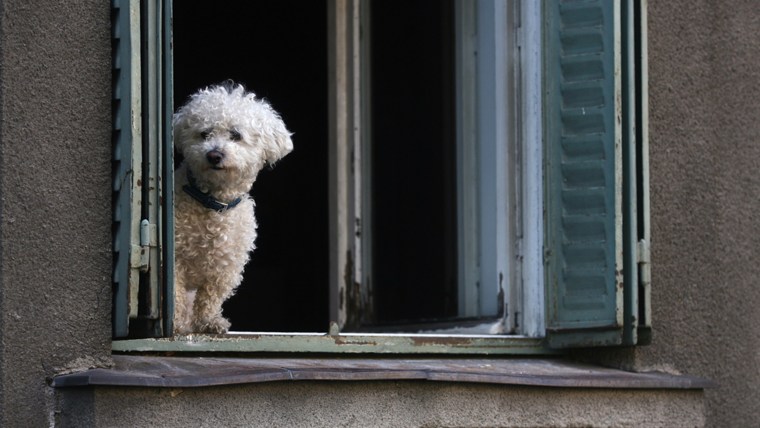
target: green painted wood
<point>631,124</point>
<point>167,176</point>
<point>149,162</point>
<point>122,165</point>
<point>645,238</point>
<point>342,344</point>
<point>583,173</point>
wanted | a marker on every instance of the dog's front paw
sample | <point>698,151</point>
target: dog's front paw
<point>214,326</point>
<point>182,329</point>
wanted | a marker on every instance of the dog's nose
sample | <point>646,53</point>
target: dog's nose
<point>214,157</point>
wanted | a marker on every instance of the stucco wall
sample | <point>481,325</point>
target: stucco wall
<point>705,151</point>
<point>381,404</point>
<point>55,198</point>
<point>55,252</point>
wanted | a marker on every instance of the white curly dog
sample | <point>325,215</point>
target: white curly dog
<point>226,136</point>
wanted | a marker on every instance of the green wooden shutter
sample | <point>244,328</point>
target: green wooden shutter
<point>592,110</point>
<point>142,171</point>
<point>125,198</point>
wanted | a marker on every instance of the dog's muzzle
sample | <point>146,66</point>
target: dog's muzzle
<point>215,157</point>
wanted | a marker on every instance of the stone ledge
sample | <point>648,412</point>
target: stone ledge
<point>183,372</point>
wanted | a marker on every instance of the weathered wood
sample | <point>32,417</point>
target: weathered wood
<point>182,372</point>
<point>339,344</point>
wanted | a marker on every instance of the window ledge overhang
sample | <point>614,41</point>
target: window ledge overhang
<point>185,372</point>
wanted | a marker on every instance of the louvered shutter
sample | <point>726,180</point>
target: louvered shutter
<point>126,168</point>
<point>592,109</point>
<point>142,171</point>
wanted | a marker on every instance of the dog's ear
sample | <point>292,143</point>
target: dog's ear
<point>179,127</point>
<point>280,146</point>
<point>277,142</point>
<point>183,129</point>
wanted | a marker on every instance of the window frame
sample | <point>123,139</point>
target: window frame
<point>517,254</point>
<point>344,101</point>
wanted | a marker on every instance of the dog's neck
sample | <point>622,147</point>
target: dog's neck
<point>205,199</point>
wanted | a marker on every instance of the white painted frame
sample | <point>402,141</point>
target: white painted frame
<point>501,183</point>
<point>531,313</point>
<point>344,131</point>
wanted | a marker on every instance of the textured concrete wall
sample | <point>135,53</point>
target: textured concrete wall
<point>381,404</point>
<point>705,151</point>
<point>55,198</point>
<point>55,254</point>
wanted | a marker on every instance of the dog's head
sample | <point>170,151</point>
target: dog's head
<point>226,135</point>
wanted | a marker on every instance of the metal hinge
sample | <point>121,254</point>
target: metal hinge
<point>140,256</point>
<point>645,271</point>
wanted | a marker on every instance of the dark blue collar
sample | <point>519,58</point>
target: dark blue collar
<point>208,201</point>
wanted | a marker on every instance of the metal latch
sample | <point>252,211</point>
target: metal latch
<point>140,257</point>
<point>645,269</point>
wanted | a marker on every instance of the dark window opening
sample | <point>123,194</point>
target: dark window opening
<point>278,50</point>
<point>413,167</point>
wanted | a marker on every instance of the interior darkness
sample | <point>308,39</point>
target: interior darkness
<point>277,49</point>
<point>413,160</point>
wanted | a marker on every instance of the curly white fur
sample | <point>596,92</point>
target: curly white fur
<point>226,136</point>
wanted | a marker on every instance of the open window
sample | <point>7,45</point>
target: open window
<point>467,169</point>
<point>433,167</point>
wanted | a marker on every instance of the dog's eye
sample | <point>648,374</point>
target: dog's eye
<point>205,134</point>
<point>235,135</point>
